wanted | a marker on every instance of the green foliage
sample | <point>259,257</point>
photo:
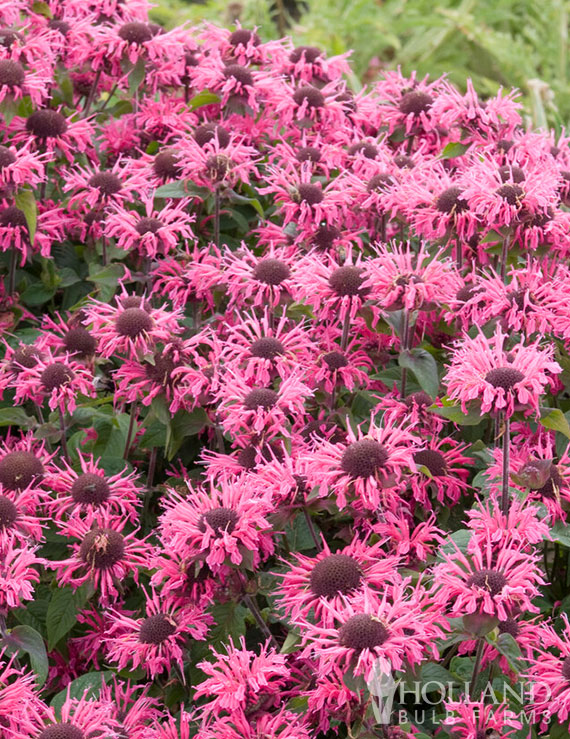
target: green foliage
<point>523,44</point>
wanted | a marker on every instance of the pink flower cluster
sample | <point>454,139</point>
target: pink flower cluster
<point>284,391</point>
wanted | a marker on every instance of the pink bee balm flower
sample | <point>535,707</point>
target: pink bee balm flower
<point>131,326</point>
<point>80,717</point>
<point>105,557</point>
<point>155,233</point>
<point>263,410</point>
<point>21,710</point>
<point>389,633</point>
<point>284,725</point>
<point>323,584</point>
<point>367,467</point>
<point>220,526</point>
<point>239,679</point>
<point>498,377</point>
<point>90,493</point>
<point>155,641</point>
<point>258,280</point>
<point>447,471</point>
<point>18,576</point>
<point>471,719</point>
<point>399,277</point>
<point>490,580</point>
<point>550,674</point>
<point>58,379</point>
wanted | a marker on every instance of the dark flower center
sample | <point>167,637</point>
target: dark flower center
<point>161,370</point>
<point>244,36</point>
<point>403,161</point>
<point>347,281</point>
<point>512,173</point>
<point>420,399</point>
<point>511,193</point>
<point>19,469</point>
<point>135,33</point>
<point>80,342</point>
<point>325,236</point>
<point>8,512</point>
<point>309,154</point>
<point>566,669</point>
<point>363,458</point>
<point>55,375</point>
<point>362,631</point>
<point>260,398</point>
<point>434,461</point>
<point>510,626</point>
<point>267,348</point>
<point>13,217</point>
<point>310,96</point>
<point>7,157</point>
<point>90,489</point>
<point>132,322</point>
<point>321,427</point>
<point>148,225</point>
<point>46,124</point>
<point>8,36</point>
<point>379,182</point>
<point>449,201</point>
<point>106,182</point>
<point>134,301</point>
<point>504,145</point>
<point>156,629</point>
<point>62,26</point>
<point>11,73</point>
<point>311,194</point>
<point>335,360</point>
<point>505,377</point>
<point>247,458</point>
<point>217,167</point>
<point>220,520</point>
<point>552,485</point>
<point>368,150</point>
<point>337,573</point>
<point>102,548</point>
<point>415,102</point>
<point>62,731</point>
<point>166,166</point>
<point>239,73</point>
<point>208,132</point>
<point>25,356</point>
<point>271,271</point>
<point>310,54</point>
<point>491,580</point>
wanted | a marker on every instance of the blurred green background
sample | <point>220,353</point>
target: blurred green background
<point>509,43</point>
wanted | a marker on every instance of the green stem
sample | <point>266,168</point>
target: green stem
<point>476,667</point>
<point>130,431</point>
<point>505,501</point>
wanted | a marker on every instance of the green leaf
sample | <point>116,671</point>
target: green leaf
<point>507,645</point>
<point>15,417</point>
<point>455,414</point>
<point>37,294</point>
<point>137,75</point>
<point>90,682</point>
<point>424,367</point>
<point>291,643</point>
<point>62,612</point>
<point>203,98</point>
<point>26,639</point>
<point>182,425</point>
<point>230,621</point>
<point>299,535</point>
<point>434,673</point>
<point>41,8</point>
<point>26,202</point>
<point>459,538</point>
<point>454,149</point>
<point>555,420</point>
<point>172,190</point>
<point>561,533</point>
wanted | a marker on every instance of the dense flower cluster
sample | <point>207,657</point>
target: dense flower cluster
<point>284,392</point>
